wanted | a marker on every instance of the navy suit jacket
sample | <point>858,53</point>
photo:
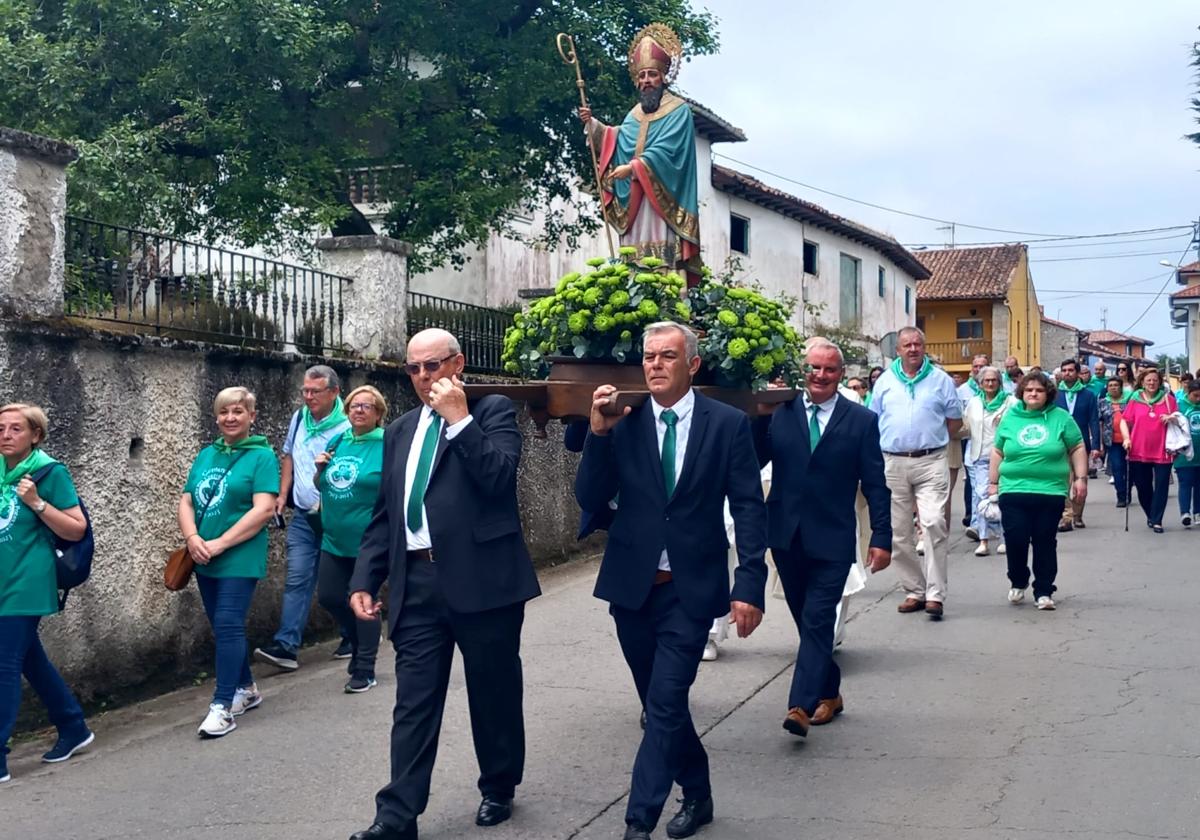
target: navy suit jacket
<point>574,436</point>
<point>1086,415</point>
<point>719,462</point>
<point>814,494</point>
<point>471,505</point>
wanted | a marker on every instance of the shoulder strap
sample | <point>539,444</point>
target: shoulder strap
<point>203,511</point>
<point>38,475</point>
<point>293,429</point>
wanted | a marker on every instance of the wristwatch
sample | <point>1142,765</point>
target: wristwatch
<point>39,507</point>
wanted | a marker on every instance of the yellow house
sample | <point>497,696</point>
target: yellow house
<point>979,300</point>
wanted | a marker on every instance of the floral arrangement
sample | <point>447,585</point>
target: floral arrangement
<point>599,314</point>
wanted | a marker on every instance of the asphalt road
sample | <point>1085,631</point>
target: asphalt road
<point>998,722</point>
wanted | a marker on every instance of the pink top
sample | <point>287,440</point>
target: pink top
<point>1148,435</point>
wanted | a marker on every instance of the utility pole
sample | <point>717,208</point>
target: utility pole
<point>949,227</point>
<point>1104,317</point>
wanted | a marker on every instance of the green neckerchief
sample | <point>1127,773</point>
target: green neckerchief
<point>312,426</point>
<point>32,462</point>
<point>1019,410</point>
<point>995,403</point>
<point>374,434</point>
<point>911,382</point>
<point>1140,396</point>
<point>251,442</point>
<point>1121,402</point>
<point>975,389</point>
<point>1006,379</point>
<point>1073,389</point>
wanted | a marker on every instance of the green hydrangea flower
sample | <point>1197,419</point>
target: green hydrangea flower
<point>626,335</point>
<point>728,318</point>
<point>739,294</point>
<point>652,262</point>
<point>738,348</point>
<point>596,262</point>
<point>619,299</point>
<point>683,311</point>
<point>648,308</point>
<point>763,364</point>
<point>780,356</point>
<point>591,297</point>
<point>603,322</point>
<point>577,322</point>
<point>646,277</point>
<point>753,320</point>
<point>512,367</point>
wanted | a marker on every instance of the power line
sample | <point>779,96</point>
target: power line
<point>1155,276</point>
<point>1182,233</point>
<point>1110,256</point>
<point>1178,263</point>
<point>1035,243</point>
<point>920,215</point>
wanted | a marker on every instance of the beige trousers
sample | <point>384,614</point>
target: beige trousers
<point>925,483</point>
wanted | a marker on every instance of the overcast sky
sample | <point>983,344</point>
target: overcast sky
<point>1042,117</point>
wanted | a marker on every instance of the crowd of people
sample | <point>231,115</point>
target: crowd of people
<point>860,470</point>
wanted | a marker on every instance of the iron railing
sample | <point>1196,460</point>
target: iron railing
<point>174,287</point>
<point>479,330</point>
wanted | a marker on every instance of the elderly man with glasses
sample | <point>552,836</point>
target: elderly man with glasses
<point>320,420</point>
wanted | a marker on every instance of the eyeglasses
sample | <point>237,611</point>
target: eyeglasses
<point>414,368</point>
<point>362,406</point>
<point>312,392</point>
<point>1122,368</point>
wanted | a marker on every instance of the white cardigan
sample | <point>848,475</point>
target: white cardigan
<point>981,426</point>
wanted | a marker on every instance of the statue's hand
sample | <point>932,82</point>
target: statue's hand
<point>585,115</point>
<point>622,172</point>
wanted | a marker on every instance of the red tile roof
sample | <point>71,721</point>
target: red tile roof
<point>1189,292</point>
<point>1190,267</point>
<point>753,190</point>
<point>969,273</point>
<point>1109,336</point>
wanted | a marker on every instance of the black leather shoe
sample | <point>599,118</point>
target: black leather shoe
<point>636,832</point>
<point>379,831</point>
<point>693,814</point>
<point>493,810</point>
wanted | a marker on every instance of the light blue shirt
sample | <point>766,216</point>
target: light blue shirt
<point>683,427</point>
<point>303,451</point>
<point>908,424</point>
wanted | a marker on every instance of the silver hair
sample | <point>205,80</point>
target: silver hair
<point>691,344</point>
<point>987,369</point>
<point>909,331</point>
<point>324,372</point>
<point>825,344</point>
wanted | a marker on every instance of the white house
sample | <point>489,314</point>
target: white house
<point>1185,311</point>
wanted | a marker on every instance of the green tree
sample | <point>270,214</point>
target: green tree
<point>239,118</point>
<point>1176,364</point>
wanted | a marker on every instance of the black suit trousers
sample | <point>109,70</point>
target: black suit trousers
<point>662,645</point>
<point>813,589</point>
<point>425,635</point>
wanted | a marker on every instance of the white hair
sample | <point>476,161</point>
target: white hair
<point>691,344</point>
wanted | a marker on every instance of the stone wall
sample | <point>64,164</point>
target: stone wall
<point>128,414</point>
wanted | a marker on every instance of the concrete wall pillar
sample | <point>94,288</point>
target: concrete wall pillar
<point>376,302</point>
<point>33,207</point>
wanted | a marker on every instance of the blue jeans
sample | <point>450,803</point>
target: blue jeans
<point>303,555</point>
<point>978,471</point>
<point>227,603</point>
<point>1189,489</point>
<point>1118,463</point>
<point>21,652</point>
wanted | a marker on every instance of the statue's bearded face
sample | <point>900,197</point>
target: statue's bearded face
<point>650,89</point>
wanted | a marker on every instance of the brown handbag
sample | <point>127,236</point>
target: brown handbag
<point>180,564</point>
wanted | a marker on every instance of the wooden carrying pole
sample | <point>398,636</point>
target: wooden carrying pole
<point>568,55</point>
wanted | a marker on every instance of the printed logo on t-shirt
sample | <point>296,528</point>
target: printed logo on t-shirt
<point>1034,434</point>
<point>342,475</point>
<point>210,490</point>
<point>9,510</point>
<point>1194,420</point>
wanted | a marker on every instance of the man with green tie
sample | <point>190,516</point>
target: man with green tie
<point>446,536</point>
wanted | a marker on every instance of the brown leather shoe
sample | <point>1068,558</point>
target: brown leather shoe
<point>796,722</point>
<point>933,609</point>
<point>911,604</point>
<point>827,710</point>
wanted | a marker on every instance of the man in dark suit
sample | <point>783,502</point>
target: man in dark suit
<point>1078,399</point>
<point>822,449</point>
<point>673,461</point>
<point>446,535</point>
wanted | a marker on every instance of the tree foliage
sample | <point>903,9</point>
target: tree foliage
<point>1195,138</point>
<point>238,118</point>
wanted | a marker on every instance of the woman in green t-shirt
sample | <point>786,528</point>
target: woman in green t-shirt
<point>1188,469</point>
<point>348,477</point>
<point>1037,449</point>
<point>31,516</point>
<point>223,513</point>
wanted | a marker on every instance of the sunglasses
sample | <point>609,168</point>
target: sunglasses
<point>414,368</point>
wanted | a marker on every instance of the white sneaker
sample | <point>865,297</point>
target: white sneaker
<point>1016,596</point>
<point>218,722</point>
<point>921,548</point>
<point>710,651</point>
<point>1045,602</point>
<point>1111,481</point>
<point>1186,520</point>
<point>245,699</point>
<point>981,550</point>
<point>1002,549</point>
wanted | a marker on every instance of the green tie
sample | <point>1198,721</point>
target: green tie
<point>814,429</point>
<point>416,497</point>
<point>668,451</point>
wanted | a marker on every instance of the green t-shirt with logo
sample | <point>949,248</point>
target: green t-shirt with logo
<point>349,486</point>
<point>252,468</point>
<point>28,581</point>
<point>1036,446</point>
<point>1191,411</point>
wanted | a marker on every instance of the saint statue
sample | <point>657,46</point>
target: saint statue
<point>649,161</point>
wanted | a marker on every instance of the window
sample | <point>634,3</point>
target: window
<point>921,323</point>
<point>810,258</point>
<point>848,291</point>
<point>882,281</point>
<point>739,234</point>
<point>969,328</point>
<point>907,299</point>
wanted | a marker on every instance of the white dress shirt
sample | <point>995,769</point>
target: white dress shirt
<point>683,425</point>
<point>824,411</point>
<point>420,538</point>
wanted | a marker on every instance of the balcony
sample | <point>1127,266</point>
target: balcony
<point>960,351</point>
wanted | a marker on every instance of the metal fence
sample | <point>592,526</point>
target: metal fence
<point>170,286</point>
<point>479,330</point>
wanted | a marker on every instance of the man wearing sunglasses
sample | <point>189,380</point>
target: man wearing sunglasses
<point>446,536</point>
